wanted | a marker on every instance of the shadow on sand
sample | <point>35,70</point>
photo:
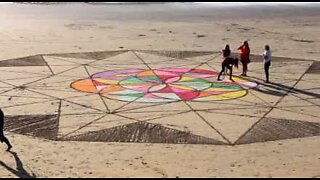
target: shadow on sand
<point>19,171</point>
<point>277,89</point>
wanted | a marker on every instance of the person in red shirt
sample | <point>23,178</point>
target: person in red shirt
<point>244,57</point>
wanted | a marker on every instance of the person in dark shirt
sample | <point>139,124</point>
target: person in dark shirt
<point>226,52</point>
<point>2,137</point>
<point>228,64</point>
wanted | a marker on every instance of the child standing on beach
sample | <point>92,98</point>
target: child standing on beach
<point>267,61</point>
<point>244,57</point>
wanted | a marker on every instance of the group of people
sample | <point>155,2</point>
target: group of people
<point>228,61</point>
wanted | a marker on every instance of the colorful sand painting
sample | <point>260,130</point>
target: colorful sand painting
<point>163,85</point>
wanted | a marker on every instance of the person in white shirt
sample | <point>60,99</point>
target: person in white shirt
<point>267,61</point>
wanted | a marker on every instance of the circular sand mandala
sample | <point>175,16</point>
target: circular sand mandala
<point>137,96</point>
<point>163,85</point>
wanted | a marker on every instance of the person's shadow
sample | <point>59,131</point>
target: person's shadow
<point>19,171</point>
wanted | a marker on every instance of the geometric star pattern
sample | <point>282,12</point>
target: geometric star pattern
<point>40,98</point>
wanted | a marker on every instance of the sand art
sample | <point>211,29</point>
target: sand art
<point>156,97</point>
<point>163,85</point>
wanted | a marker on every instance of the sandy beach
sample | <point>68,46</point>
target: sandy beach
<point>291,30</point>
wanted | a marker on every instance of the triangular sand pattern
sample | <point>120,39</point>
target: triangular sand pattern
<point>220,105</point>
<point>141,132</point>
<point>23,81</point>
<point>179,54</point>
<point>213,57</point>
<point>153,59</point>
<point>61,69</point>
<point>78,61</point>
<point>268,96</point>
<point>105,54</point>
<point>58,61</point>
<point>189,122</point>
<point>270,129</point>
<point>258,58</point>
<point>79,72</point>
<point>254,100</point>
<point>58,93</point>
<point>297,113</point>
<point>69,124</point>
<point>314,68</point>
<point>43,126</point>
<point>114,104</point>
<point>305,110</point>
<point>16,97</point>
<point>302,85</point>
<point>281,84</point>
<point>25,71</point>
<point>171,65</point>
<point>150,107</point>
<point>3,89</point>
<point>5,85</point>
<point>291,100</point>
<point>107,121</point>
<point>9,75</point>
<point>311,77</point>
<point>207,67</point>
<point>290,69</point>
<point>69,107</point>
<point>92,55</point>
<point>241,111</point>
<point>306,94</point>
<point>106,67</point>
<point>25,61</point>
<point>93,70</point>
<point>62,80</point>
<point>231,126</point>
<point>121,59</point>
<point>86,113</point>
<point>150,115</point>
<point>44,107</point>
<point>315,101</point>
<point>91,100</point>
<point>285,79</point>
<point>59,82</point>
<point>216,67</point>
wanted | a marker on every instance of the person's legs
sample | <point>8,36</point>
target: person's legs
<point>4,139</point>
<point>222,70</point>
<point>230,69</point>
<point>245,69</point>
<point>266,69</point>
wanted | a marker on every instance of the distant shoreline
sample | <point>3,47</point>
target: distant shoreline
<point>160,11</point>
<point>218,4</point>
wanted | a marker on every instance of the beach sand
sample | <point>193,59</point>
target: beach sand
<point>291,31</point>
